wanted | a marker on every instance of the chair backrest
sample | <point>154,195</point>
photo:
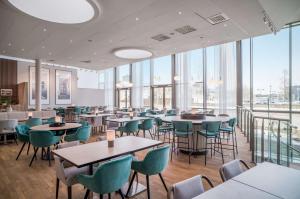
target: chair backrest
<point>33,122</point>
<point>132,126</point>
<point>232,122</point>
<point>156,160</point>
<point>84,123</point>
<point>183,126</point>
<point>83,133</point>
<point>232,169</point>
<point>111,176</point>
<point>188,188</point>
<point>211,126</point>
<point>41,138</point>
<point>147,124</point>
<point>77,110</point>
<point>22,132</point>
<point>158,121</point>
<point>59,163</point>
<point>8,124</point>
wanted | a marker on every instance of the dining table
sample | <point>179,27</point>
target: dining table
<point>96,120</point>
<point>48,127</point>
<point>123,120</point>
<point>95,152</point>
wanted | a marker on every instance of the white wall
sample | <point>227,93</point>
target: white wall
<point>80,96</point>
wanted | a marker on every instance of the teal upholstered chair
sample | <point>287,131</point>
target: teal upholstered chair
<point>23,136</point>
<point>171,112</point>
<point>130,127</point>
<point>142,114</point>
<point>230,130</point>
<point>181,135</point>
<point>163,128</point>
<point>82,134</point>
<point>33,122</point>
<point>154,163</point>
<point>109,177</point>
<point>211,131</point>
<point>42,139</point>
<point>72,131</point>
<point>146,125</point>
<point>50,120</point>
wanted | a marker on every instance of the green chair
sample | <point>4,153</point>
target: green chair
<point>142,114</point>
<point>183,130</point>
<point>72,131</point>
<point>146,125</point>
<point>130,127</point>
<point>163,128</point>
<point>171,112</point>
<point>33,122</point>
<point>23,136</point>
<point>230,130</point>
<point>82,134</point>
<point>50,120</point>
<point>154,163</point>
<point>109,177</point>
<point>42,139</point>
<point>211,131</point>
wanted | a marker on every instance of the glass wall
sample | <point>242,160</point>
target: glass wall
<point>109,88</point>
<point>123,86</point>
<point>246,72</point>
<point>189,80</point>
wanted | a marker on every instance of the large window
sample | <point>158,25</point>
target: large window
<point>123,86</point>
<point>270,71</point>
<point>162,70</point>
<point>109,87</point>
<point>189,80</point>
<point>246,72</point>
<point>123,73</point>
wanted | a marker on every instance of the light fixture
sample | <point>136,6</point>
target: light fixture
<point>22,49</point>
<point>43,47</point>
<point>9,44</point>
<point>58,11</point>
<point>50,53</point>
<point>179,12</point>
<point>45,29</point>
<point>267,20</point>
<point>137,19</point>
<point>132,53</point>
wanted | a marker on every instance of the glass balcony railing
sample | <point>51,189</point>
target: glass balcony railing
<point>271,139</point>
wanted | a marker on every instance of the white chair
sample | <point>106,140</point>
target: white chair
<point>67,174</point>
<point>188,188</point>
<point>8,127</point>
<point>232,169</point>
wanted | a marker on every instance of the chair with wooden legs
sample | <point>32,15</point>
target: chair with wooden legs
<point>23,136</point>
<point>130,127</point>
<point>146,125</point>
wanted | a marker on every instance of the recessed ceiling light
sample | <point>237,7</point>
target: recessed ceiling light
<point>71,41</point>
<point>132,53</point>
<point>3,51</point>
<point>43,47</point>
<point>22,49</point>
<point>45,29</point>
<point>9,44</point>
<point>110,41</point>
<point>137,18</point>
<point>50,53</point>
<point>179,12</point>
<point>57,11</point>
<point>225,25</point>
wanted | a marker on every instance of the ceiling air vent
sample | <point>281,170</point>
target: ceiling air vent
<point>160,37</point>
<point>218,18</point>
<point>86,61</point>
<point>51,60</point>
<point>185,29</point>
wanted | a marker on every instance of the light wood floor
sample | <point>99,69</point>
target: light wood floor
<point>18,181</point>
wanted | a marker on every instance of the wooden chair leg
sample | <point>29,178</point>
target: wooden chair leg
<point>28,148</point>
<point>121,194</point>
<point>34,155</point>
<point>162,179</point>
<point>87,193</point>
<point>20,150</point>
<point>148,186</point>
<point>109,196</point>
<point>57,188</point>
<point>205,151</point>
<point>130,184</point>
<point>49,156</point>
<point>221,149</point>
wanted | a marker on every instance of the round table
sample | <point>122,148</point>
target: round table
<point>199,149</point>
<point>46,127</point>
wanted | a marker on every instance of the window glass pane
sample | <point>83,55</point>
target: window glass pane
<point>158,97</point>
<point>101,77</point>
<point>270,71</point>
<point>246,72</point>
<point>123,73</point>
<point>162,70</point>
<point>146,97</point>
<point>296,68</point>
<point>168,97</point>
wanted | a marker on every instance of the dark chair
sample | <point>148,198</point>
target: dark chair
<point>163,128</point>
<point>146,125</point>
<point>108,178</point>
<point>232,169</point>
<point>211,131</point>
<point>183,130</point>
<point>154,163</point>
<point>130,127</point>
<point>23,136</point>
<point>189,188</point>
<point>82,134</point>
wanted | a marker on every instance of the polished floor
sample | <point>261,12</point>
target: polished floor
<point>18,181</point>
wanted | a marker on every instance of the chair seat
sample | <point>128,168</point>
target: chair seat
<point>229,129</point>
<point>182,133</point>
<point>208,133</point>
<point>72,172</point>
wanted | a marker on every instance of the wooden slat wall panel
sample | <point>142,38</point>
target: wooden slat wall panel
<point>8,77</point>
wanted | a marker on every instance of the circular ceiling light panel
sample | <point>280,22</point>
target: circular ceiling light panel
<point>132,53</point>
<point>58,11</point>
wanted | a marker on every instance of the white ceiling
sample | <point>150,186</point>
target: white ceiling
<point>132,23</point>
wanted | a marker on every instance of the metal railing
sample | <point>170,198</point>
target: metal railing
<point>271,139</point>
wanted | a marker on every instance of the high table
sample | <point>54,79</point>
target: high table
<point>196,127</point>
<point>91,153</point>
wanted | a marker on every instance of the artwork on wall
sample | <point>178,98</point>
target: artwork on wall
<point>45,75</point>
<point>63,87</point>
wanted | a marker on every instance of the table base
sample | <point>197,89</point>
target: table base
<point>136,189</point>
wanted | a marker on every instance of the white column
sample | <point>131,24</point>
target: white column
<point>37,84</point>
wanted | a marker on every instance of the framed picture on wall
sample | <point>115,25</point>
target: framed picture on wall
<point>63,80</point>
<point>45,79</point>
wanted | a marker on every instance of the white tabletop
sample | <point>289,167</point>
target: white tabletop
<point>207,118</point>
<point>281,181</point>
<point>126,119</point>
<point>94,115</point>
<point>46,127</point>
